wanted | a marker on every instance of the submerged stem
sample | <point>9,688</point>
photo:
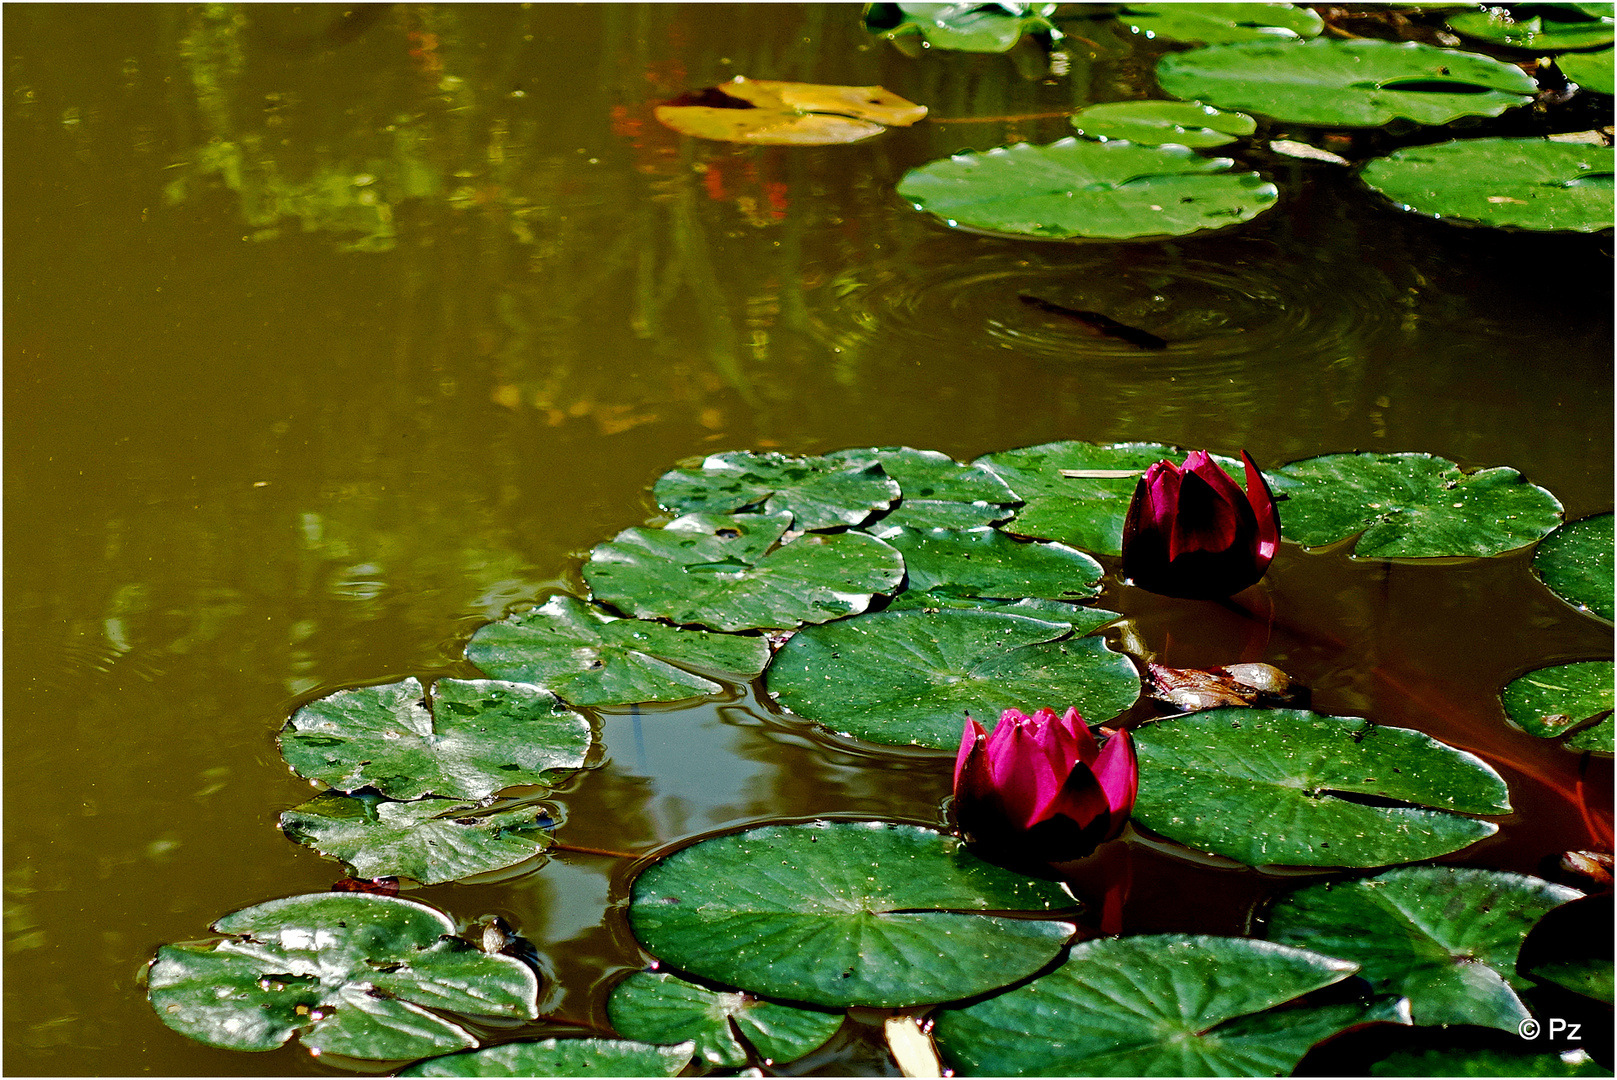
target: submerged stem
<point>594,851</point>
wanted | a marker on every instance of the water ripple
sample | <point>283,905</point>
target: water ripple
<point>1238,301</point>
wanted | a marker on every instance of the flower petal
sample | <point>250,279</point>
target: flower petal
<point>1085,748</point>
<point>1024,781</point>
<point>973,740</point>
<point>1209,521</point>
<point>1118,773</point>
<point>1262,501</point>
<point>1080,799</point>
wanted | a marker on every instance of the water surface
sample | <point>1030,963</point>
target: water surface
<point>331,336</point>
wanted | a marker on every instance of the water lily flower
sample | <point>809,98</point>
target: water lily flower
<point>1041,788</point>
<point>1191,532</point>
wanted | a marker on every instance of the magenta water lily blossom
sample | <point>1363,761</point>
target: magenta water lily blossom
<point>1192,532</point>
<point>1041,788</point>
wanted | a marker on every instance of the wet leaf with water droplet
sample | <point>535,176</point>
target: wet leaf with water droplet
<point>349,973</point>
<point>480,736</point>
<point>1293,788</point>
<point>1444,936</point>
<point>663,573</point>
<point>845,913</point>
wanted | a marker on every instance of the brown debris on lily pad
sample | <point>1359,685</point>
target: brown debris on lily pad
<point>1243,685</point>
<point>787,113</point>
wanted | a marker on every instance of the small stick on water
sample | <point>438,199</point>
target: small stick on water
<point>594,851</point>
<point>1102,325</point>
<point>1099,474</point>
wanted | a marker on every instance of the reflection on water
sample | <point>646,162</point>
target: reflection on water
<point>331,334</point>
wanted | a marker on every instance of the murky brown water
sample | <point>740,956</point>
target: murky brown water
<point>330,336</point>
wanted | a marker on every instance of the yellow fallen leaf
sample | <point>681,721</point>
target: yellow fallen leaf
<point>785,113</point>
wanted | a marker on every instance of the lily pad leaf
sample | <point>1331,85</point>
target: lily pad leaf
<point>1445,937</point>
<point>912,677</point>
<point>1083,620</point>
<point>1541,27</point>
<point>1086,512</point>
<point>786,113</point>
<point>1572,948</point>
<point>986,562</point>
<point>1075,187</point>
<point>1152,123</point>
<point>590,658</point>
<point>560,1057</point>
<point>1598,739</point>
<point>481,736</point>
<point>1575,561</point>
<point>1363,82</point>
<point>819,492</point>
<point>962,27</point>
<point>1552,701</point>
<point>430,840</point>
<point>940,514</point>
<point>1279,787</point>
<point>1591,71</point>
<point>1159,1005</point>
<point>1214,24</point>
<point>938,491</point>
<point>657,1007</point>
<point>725,571</point>
<point>349,973</point>
<point>1528,183</point>
<point>846,913</point>
<point>1411,506</point>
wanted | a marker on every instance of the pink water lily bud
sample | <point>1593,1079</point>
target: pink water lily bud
<point>1041,788</point>
<point>1192,532</point>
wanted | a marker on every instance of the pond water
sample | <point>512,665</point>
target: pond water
<point>334,333</point>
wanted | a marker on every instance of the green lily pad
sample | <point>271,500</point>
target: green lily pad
<point>349,973</point>
<point>1593,71</point>
<point>1521,183</point>
<point>819,492</point>
<point>1483,1061</point>
<point>911,677</point>
<point>1159,1005</point>
<point>560,1057</point>
<point>962,27</point>
<point>1445,937</point>
<point>1551,701</point>
<point>1598,739</point>
<point>656,1007</point>
<point>1363,82</point>
<point>1083,620</point>
<point>846,913</point>
<point>1571,947</point>
<point>589,658</point>
<point>724,571</point>
<point>986,562</point>
<point>1410,506</point>
<point>1541,27</point>
<point>938,491</point>
<point>1074,187</point>
<point>1276,787</point>
<point>1575,561</point>
<point>481,736</point>
<point>1214,24</point>
<point>940,514</point>
<point>1152,123</point>
<point>430,840</point>
<point>1085,512</point>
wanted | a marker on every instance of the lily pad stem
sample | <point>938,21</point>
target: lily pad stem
<point>594,851</point>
